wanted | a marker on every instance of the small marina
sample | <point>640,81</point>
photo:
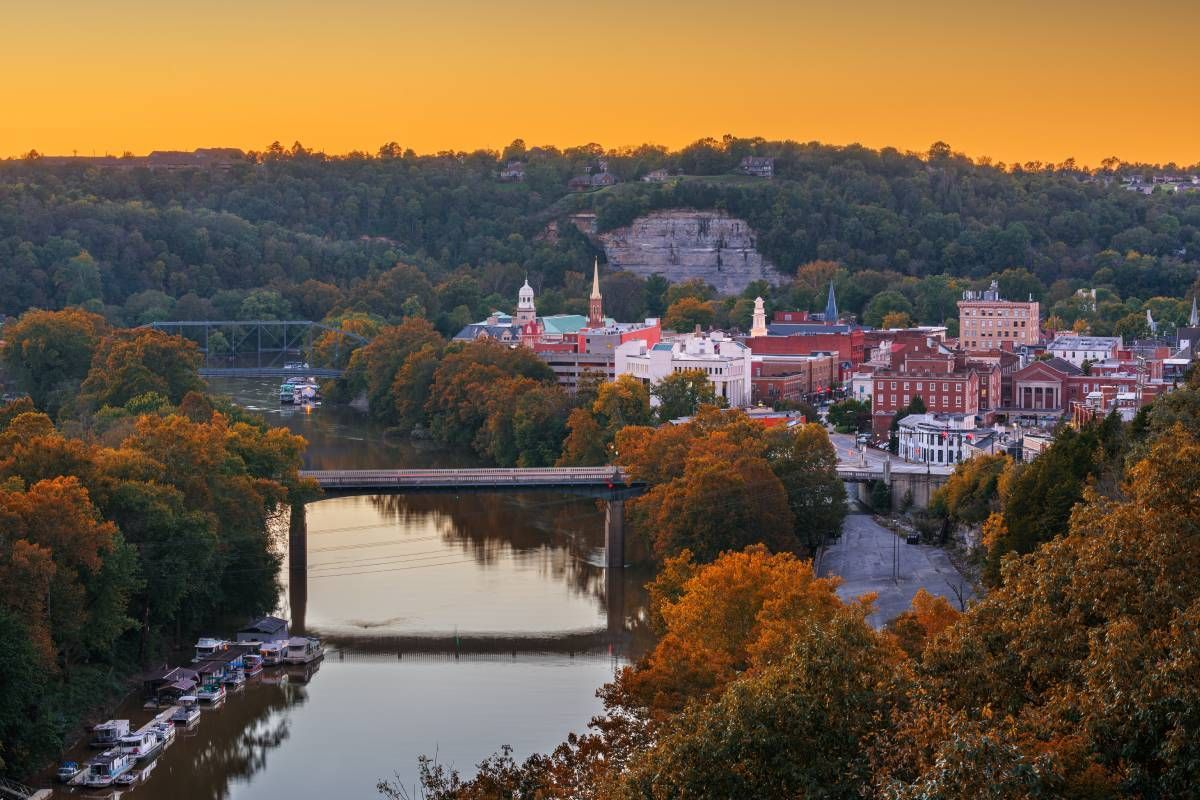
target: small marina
<point>175,702</point>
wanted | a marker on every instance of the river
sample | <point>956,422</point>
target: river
<point>455,624</point>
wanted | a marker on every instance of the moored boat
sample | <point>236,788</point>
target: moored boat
<point>104,769</point>
<point>254,665</point>
<point>108,733</point>
<point>303,650</point>
<point>141,745</point>
<point>188,711</point>
<point>165,731</point>
<point>234,677</point>
<point>209,648</point>
<point>68,771</point>
<point>272,653</point>
<point>213,691</point>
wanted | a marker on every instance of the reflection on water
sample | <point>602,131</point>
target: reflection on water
<point>456,624</point>
<point>229,746</point>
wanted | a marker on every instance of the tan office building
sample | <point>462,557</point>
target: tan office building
<point>986,322</point>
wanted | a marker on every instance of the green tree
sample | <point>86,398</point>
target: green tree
<point>681,393</point>
<point>805,462</point>
<point>850,416</point>
<point>48,353</point>
<point>884,303</point>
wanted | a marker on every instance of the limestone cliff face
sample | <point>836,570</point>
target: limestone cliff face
<point>683,244</point>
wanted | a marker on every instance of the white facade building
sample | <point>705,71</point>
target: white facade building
<point>862,386</point>
<point>726,363</point>
<point>938,438</point>
<point>1078,349</point>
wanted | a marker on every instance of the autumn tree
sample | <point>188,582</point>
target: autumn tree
<point>48,353</point>
<point>128,363</point>
<point>458,397</point>
<point>1080,656</point>
<point>688,313</point>
<point>972,491</point>
<point>1039,496</point>
<point>373,368</point>
<point>621,403</point>
<point>585,444</point>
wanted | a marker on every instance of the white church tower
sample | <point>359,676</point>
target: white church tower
<point>758,326</point>
<point>525,310</point>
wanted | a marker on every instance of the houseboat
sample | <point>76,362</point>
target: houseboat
<point>303,650</point>
<point>287,392</point>
<point>272,653</point>
<point>188,712</point>
<point>254,665</point>
<point>211,691</point>
<point>107,734</point>
<point>209,648</point>
<point>104,769</point>
<point>234,677</point>
<point>141,745</point>
<point>68,771</point>
<point>165,731</point>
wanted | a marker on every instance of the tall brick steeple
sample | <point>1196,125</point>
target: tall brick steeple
<point>596,302</point>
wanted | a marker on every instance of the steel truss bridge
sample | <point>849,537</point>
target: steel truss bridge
<point>265,348</point>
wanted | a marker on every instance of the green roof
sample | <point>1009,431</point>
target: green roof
<point>564,323</point>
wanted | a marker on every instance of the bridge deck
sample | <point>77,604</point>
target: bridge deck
<point>270,372</point>
<point>549,477</point>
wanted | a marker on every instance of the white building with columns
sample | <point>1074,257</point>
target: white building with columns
<point>723,361</point>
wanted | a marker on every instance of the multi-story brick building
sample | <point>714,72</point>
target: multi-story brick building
<point>943,392</point>
<point>791,378</point>
<point>986,321</point>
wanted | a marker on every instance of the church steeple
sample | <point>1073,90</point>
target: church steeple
<point>596,302</point>
<point>831,309</point>
<point>1194,320</point>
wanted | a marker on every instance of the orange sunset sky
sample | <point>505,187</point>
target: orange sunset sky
<point>1015,80</point>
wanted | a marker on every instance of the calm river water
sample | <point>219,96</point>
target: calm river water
<point>454,624</point>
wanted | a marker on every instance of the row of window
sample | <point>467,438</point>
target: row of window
<point>958,401</point>
<point>958,387</point>
<point>996,312</point>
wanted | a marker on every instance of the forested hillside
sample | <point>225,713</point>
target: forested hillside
<point>295,233</point>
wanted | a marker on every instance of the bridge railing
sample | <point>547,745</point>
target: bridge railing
<point>467,477</point>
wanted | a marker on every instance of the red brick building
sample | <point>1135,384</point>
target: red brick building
<point>942,391</point>
<point>845,346</point>
<point>791,378</point>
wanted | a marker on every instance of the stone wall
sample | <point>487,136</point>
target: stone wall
<point>682,244</point>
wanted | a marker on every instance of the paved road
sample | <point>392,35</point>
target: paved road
<point>863,558</point>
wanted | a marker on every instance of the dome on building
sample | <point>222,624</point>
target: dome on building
<point>525,296</point>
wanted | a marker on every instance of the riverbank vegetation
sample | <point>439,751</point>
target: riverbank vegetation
<point>292,233</point>
<point>741,479</point>
<point>133,511</point>
<point>1074,677</point>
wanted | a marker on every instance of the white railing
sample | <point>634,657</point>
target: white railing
<point>467,477</point>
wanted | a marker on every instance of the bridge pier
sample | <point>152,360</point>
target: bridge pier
<point>614,534</point>
<point>298,567</point>
<point>614,605</point>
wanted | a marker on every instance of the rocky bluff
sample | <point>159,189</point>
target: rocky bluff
<point>683,244</point>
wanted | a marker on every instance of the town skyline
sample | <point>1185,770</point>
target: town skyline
<point>465,76</point>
